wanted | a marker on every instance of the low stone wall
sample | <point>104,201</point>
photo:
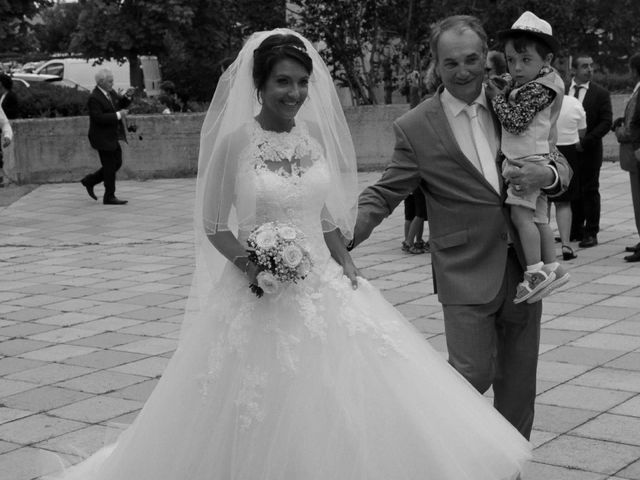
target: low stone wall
<point>57,149</point>
<point>165,146</point>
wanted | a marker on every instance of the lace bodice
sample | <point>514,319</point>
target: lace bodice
<point>287,174</point>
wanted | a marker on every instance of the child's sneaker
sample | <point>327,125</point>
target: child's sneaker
<point>561,277</point>
<point>532,284</point>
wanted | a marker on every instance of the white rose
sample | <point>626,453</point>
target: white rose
<point>266,239</point>
<point>268,283</point>
<point>291,255</point>
<point>304,268</point>
<point>287,233</point>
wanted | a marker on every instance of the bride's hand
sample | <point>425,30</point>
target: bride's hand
<point>352,273</point>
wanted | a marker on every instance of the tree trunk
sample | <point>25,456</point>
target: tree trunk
<point>136,77</point>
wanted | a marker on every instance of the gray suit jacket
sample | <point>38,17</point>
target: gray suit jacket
<point>469,224</point>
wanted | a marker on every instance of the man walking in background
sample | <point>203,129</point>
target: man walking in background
<point>107,115</point>
<point>596,101</point>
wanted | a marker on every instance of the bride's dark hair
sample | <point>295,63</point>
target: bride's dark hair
<point>275,48</point>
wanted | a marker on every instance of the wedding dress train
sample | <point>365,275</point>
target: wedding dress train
<point>317,382</point>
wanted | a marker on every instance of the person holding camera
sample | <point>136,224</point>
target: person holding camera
<point>107,122</point>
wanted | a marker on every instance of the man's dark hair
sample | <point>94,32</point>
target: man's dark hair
<point>575,58</point>
<point>497,61</point>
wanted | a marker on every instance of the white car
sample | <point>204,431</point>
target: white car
<point>28,78</point>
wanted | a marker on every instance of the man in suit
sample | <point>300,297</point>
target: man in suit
<point>9,104</point>
<point>491,340</point>
<point>107,117</point>
<point>627,131</point>
<point>596,101</point>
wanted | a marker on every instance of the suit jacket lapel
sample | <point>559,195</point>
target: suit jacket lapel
<point>438,120</point>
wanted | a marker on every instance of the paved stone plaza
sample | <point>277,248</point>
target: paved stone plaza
<point>91,300</point>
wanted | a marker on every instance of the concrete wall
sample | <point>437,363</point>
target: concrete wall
<point>57,150</point>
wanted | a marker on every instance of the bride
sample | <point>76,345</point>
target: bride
<point>318,379</point>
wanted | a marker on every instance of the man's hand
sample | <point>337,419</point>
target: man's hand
<point>6,141</point>
<point>529,176</point>
<point>123,113</point>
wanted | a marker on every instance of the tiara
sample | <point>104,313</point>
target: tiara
<point>296,47</point>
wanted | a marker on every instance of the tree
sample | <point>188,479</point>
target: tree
<point>59,22</point>
<point>368,43</point>
<point>350,31</point>
<point>193,39</point>
<point>16,18</point>
<point>194,59</point>
<point>126,29</point>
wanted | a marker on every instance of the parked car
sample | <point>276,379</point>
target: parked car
<point>34,77</point>
<point>83,71</point>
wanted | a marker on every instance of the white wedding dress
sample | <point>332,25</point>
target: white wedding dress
<point>318,382</point>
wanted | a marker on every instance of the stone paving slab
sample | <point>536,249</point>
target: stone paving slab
<point>91,300</point>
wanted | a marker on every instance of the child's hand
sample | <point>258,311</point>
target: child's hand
<point>496,85</point>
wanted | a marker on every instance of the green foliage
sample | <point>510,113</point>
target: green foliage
<point>195,58</point>
<point>58,24</point>
<point>615,82</point>
<point>192,38</point>
<point>15,23</point>
<point>354,31</point>
<point>43,100</point>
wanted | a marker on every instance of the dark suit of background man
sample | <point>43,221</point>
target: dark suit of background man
<point>9,104</point>
<point>107,115</point>
<point>597,104</point>
<point>627,129</point>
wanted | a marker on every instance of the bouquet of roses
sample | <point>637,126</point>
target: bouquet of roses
<point>279,249</point>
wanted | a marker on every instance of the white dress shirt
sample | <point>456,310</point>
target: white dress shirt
<point>459,122</point>
<point>106,94</point>
<point>583,90</point>
<point>461,127</point>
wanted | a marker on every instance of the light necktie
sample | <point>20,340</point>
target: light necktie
<point>483,149</point>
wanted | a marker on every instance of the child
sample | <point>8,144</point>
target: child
<point>528,109</point>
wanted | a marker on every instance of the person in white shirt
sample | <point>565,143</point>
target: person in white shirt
<point>7,137</point>
<point>571,126</point>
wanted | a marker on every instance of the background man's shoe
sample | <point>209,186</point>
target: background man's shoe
<point>588,241</point>
<point>635,248</point>
<point>114,201</point>
<point>633,258</point>
<point>89,188</point>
